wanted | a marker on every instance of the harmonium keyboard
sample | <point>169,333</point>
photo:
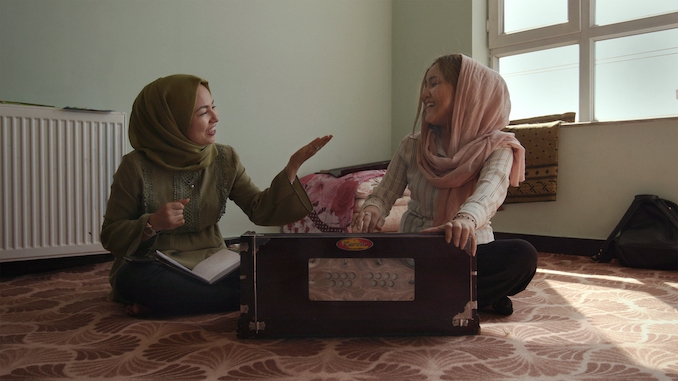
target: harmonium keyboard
<point>333,284</point>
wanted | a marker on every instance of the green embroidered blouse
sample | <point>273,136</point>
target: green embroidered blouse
<point>140,187</point>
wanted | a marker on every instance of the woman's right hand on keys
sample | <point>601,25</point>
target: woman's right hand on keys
<point>367,220</point>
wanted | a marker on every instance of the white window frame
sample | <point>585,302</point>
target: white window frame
<point>579,30</point>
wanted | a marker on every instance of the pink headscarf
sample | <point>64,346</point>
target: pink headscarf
<point>480,110</point>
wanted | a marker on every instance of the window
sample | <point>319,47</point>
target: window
<point>604,59</point>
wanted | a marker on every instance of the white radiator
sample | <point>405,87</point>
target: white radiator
<point>57,169</point>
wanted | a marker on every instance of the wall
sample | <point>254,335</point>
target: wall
<point>602,166</point>
<point>423,31</point>
<point>281,72</point>
<point>284,72</point>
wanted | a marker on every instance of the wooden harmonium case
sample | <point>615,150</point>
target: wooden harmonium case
<point>333,284</point>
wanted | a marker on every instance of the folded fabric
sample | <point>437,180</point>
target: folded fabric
<point>333,200</point>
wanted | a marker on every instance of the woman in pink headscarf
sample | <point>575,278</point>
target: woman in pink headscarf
<point>458,169</point>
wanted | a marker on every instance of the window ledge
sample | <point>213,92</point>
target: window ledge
<point>618,122</point>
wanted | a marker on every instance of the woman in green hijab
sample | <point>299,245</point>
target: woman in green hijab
<point>169,193</point>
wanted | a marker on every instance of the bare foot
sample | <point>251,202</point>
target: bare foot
<point>137,310</point>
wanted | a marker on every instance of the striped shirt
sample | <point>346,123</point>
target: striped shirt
<point>403,171</point>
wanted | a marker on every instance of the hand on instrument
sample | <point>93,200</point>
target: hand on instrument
<point>367,220</point>
<point>461,232</point>
<point>303,154</point>
<point>169,216</point>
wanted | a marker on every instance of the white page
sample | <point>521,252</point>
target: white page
<point>220,263</point>
<point>168,259</point>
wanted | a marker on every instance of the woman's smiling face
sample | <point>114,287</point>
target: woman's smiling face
<point>437,97</point>
<point>203,129</point>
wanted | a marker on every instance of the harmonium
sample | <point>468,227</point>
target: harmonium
<point>333,284</point>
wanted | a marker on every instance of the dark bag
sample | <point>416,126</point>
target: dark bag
<point>646,237</point>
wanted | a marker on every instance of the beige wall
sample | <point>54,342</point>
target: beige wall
<point>423,31</point>
<point>602,166</point>
<point>285,71</point>
<point>282,71</point>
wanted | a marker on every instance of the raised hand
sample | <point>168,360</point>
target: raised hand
<point>303,154</point>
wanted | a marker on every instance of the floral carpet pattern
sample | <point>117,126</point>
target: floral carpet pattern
<point>577,320</point>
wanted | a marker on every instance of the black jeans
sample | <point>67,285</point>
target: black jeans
<point>505,267</point>
<point>169,292</point>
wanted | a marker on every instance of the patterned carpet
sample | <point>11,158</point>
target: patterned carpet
<point>578,320</point>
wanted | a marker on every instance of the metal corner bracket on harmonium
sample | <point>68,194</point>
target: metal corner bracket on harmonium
<point>342,285</point>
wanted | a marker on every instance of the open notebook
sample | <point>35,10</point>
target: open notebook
<point>211,269</point>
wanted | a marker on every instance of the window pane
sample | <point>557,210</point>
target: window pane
<point>636,76</point>
<point>531,14</point>
<point>613,11</point>
<point>542,83</point>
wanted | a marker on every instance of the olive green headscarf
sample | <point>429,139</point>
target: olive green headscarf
<point>159,123</point>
